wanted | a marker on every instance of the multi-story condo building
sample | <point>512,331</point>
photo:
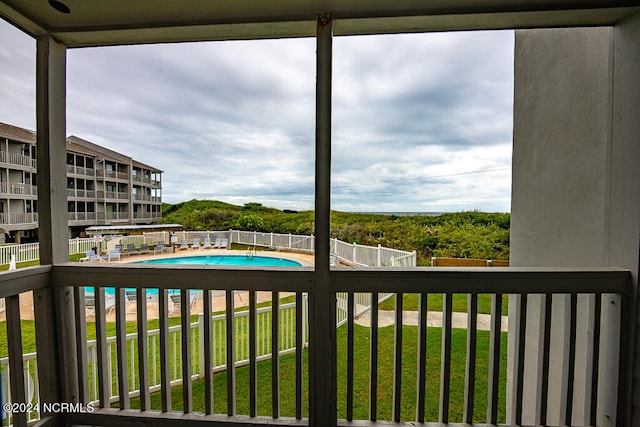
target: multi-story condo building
<point>103,187</point>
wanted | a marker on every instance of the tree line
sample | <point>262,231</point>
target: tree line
<point>469,234</point>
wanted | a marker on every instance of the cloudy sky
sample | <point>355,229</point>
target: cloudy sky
<point>421,123</point>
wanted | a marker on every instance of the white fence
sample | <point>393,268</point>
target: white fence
<point>287,342</point>
<point>352,253</point>
<point>361,304</point>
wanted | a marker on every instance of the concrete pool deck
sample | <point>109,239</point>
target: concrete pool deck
<point>241,298</point>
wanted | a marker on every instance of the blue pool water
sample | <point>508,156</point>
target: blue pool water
<point>239,260</point>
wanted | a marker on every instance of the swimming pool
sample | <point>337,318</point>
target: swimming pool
<point>239,260</point>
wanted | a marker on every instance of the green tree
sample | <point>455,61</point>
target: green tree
<point>251,222</point>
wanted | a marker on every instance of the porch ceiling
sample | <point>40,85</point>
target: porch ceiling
<point>99,22</point>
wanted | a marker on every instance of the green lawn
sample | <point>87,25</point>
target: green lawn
<point>361,375</point>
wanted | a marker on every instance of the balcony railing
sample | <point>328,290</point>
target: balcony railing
<point>104,216</point>
<point>19,218</point>
<point>141,178</point>
<point>112,174</point>
<point>589,380</point>
<point>82,194</point>
<point>147,215</point>
<point>18,189</point>
<point>79,170</point>
<point>82,216</point>
<point>112,195</point>
<point>142,197</point>
<point>17,159</point>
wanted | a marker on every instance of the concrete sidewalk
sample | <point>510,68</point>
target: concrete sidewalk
<point>434,318</point>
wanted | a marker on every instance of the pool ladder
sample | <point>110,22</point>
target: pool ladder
<point>251,251</point>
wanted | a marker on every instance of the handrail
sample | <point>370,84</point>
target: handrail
<point>505,280</point>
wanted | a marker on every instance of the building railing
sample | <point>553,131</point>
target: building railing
<point>142,197</point>
<point>113,195</point>
<point>80,170</point>
<point>141,178</point>
<point>147,215</point>
<point>10,189</point>
<point>17,159</point>
<point>82,216</point>
<point>19,218</point>
<point>109,216</point>
<point>81,193</point>
<point>589,377</point>
<point>112,174</point>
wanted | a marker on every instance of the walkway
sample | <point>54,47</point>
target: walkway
<point>434,318</point>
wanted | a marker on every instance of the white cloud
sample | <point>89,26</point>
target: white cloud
<point>420,122</point>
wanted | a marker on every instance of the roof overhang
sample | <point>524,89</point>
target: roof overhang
<point>102,23</point>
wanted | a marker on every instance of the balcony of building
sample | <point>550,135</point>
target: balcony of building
<point>594,349</point>
<point>22,219</point>
<point>112,196</point>
<point>81,170</point>
<point>571,343</point>
<point>18,190</point>
<point>75,218</point>
<point>17,160</point>
<point>81,193</point>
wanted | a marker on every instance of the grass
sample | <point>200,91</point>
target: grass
<point>411,302</point>
<point>361,381</point>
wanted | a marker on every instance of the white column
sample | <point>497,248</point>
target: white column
<point>56,340</point>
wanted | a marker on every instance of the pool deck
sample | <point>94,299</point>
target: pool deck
<point>218,301</point>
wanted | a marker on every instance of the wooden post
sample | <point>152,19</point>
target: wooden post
<point>56,340</point>
<point>322,404</point>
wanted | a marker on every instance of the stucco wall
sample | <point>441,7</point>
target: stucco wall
<point>562,134</point>
<point>624,211</point>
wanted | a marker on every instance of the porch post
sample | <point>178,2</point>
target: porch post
<point>54,306</point>
<point>322,404</point>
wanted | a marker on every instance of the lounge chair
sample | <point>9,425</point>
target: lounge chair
<point>144,249</point>
<point>131,250</point>
<point>159,249</point>
<point>221,243</point>
<point>196,244</point>
<point>176,301</point>
<point>131,297</point>
<point>207,243</point>
<point>92,257</point>
<point>113,255</point>
<point>333,260</point>
<point>90,304</point>
<point>184,244</point>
